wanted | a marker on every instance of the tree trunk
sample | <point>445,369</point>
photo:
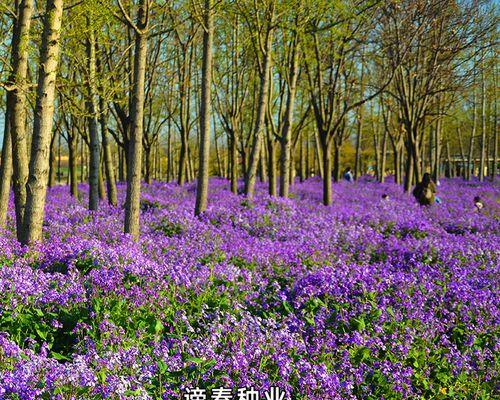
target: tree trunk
<point>336,161</point>
<point>108,159</point>
<point>494,162</point>
<point>286,166</point>
<point>6,167</point>
<point>327,172</point>
<point>147,164</point>
<point>20,47</point>
<point>271,147</point>
<point>132,204</point>
<point>263,164</point>
<point>92,108</point>
<point>436,172</point>
<point>409,165</point>
<point>234,163</point>
<point>52,160</point>
<point>73,149</point>
<point>42,125</point>
<point>482,160</point>
<point>102,186</point>
<point>383,157</point>
<point>205,111</point>
<point>319,153</point>
<point>302,161</point>
<point>59,171</point>
<point>359,136</point>
<point>259,123</point>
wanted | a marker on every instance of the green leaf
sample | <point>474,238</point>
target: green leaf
<point>59,357</point>
<point>158,326</point>
<point>41,333</point>
<point>195,360</point>
<point>287,307</point>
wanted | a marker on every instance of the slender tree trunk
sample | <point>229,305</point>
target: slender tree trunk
<point>42,125</point>
<point>359,137</point>
<point>234,163</point>
<point>470,161</point>
<point>319,154</point>
<point>286,136</point>
<point>205,110</point>
<point>121,165</point>
<point>52,160</point>
<point>302,155</point>
<point>259,123</point>
<point>436,173</point>
<point>409,165</point>
<point>132,204</point>
<point>170,172</point>
<point>292,169</point>
<point>263,163</point>
<point>6,167</point>
<point>59,172</point>
<point>271,148</point>
<point>308,166</point>
<point>462,153</point>
<point>20,47</point>
<point>147,164</point>
<point>449,170</point>
<point>482,160</point>
<point>396,161</point>
<point>108,159</point>
<point>336,161</point>
<point>383,157</point>
<point>102,186</point>
<point>494,162</point>
<point>327,171</point>
<point>92,107</point>
<point>183,167</point>
<point>73,149</point>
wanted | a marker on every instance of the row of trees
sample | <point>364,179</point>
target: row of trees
<point>240,89</point>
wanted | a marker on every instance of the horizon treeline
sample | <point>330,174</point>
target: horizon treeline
<point>271,90</point>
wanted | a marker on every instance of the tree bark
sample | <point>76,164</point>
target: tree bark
<point>108,159</point>
<point>482,160</point>
<point>383,157</point>
<point>327,172</point>
<point>6,167</point>
<point>234,163</point>
<point>52,160</point>
<point>20,47</point>
<point>286,136</point>
<point>271,149</point>
<point>470,161</point>
<point>73,149</point>
<point>132,204</point>
<point>42,125</point>
<point>205,111</point>
<point>260,120</point>
<point>92,107</point>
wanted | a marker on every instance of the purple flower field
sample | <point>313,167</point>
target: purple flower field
<point>366,299</point>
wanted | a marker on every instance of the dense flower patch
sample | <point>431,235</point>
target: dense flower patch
<point>366,299</point>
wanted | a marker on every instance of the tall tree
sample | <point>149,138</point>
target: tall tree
<point>42,125</point>
<point>134,166</point>
<point>205,109</point>
<point>20,46</point>
<point>263,49</point>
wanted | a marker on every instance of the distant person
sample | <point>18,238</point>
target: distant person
<point>425,191</point>
<point>348,176</point>
<point>478,203</point>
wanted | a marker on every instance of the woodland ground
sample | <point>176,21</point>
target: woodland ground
<point>366,299</point>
